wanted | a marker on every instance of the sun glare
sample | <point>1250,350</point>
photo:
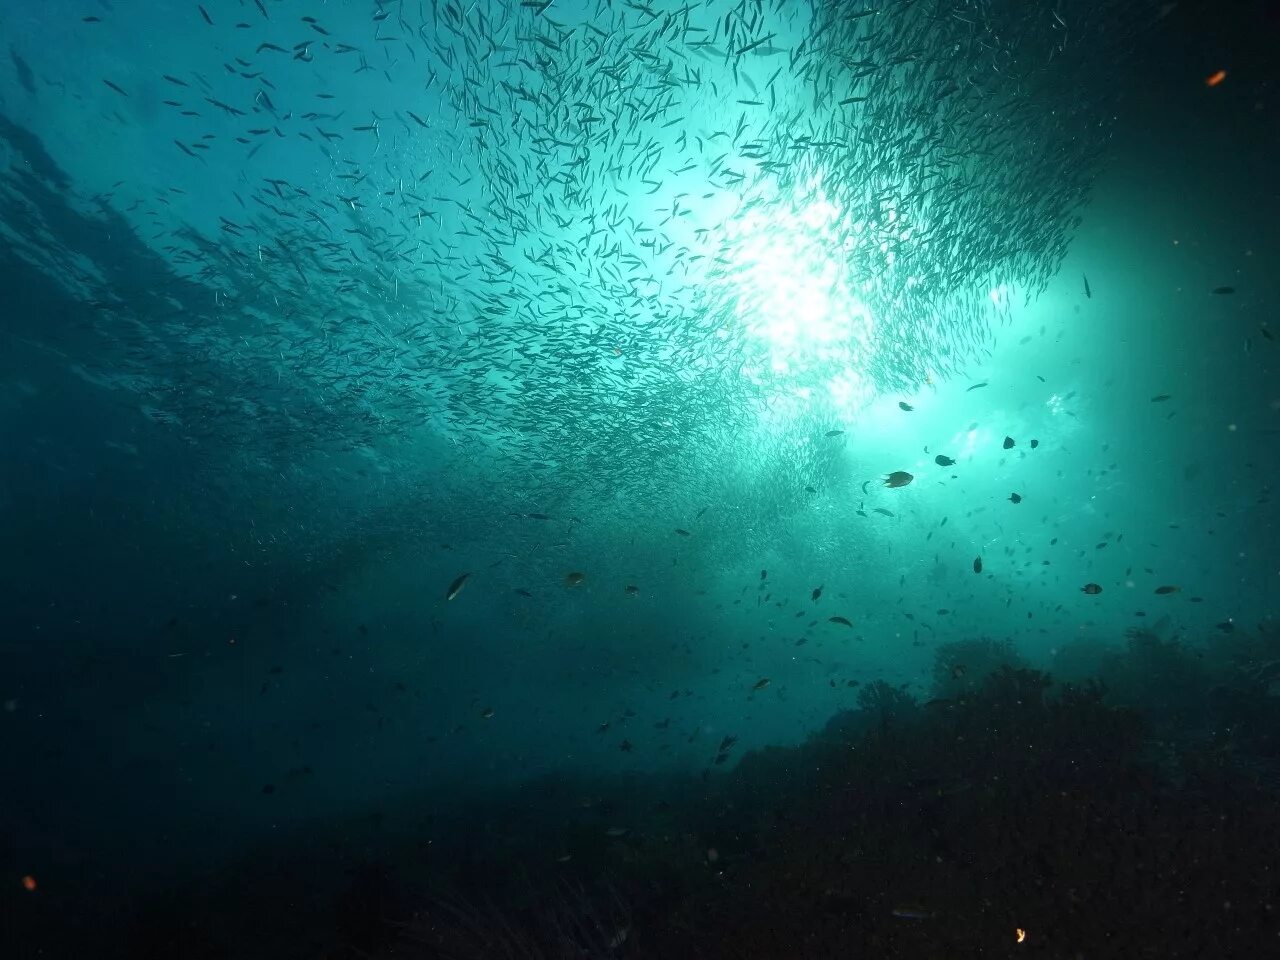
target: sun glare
<point>809,334</point>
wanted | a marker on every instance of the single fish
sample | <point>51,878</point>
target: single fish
<point>455,588</point>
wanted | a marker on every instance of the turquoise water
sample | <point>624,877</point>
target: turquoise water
<point>579,462</point>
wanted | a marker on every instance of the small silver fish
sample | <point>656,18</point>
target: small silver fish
<point>455,588</point>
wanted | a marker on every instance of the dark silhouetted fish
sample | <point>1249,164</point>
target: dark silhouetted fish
<point>455,588</point>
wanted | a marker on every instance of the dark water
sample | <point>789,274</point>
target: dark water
<point>629,480</point>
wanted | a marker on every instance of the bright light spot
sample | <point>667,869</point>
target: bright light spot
<point>790,286</point>
<point>1000,296</point>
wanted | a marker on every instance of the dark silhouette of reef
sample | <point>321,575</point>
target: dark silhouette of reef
<point>1131,813</point>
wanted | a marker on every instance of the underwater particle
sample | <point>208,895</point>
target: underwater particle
<point>903,405</point>
<point>1034,444</point>
<point>1091,588</point>
<point>1167,590</point>
<point>912,913</point>
<point>1215,78</point>
<point>899,478</point>
<point>1221,291</point>
<point>455,588</point>
<point>1015,498</point>
<point>977,564</point>
<point>1019,934</point>
<point>840,620</point>
<point>942,461</point>
<point>1009,443</point>
<point>575,579</point>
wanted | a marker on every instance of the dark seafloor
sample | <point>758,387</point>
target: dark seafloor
<point>639,480</point>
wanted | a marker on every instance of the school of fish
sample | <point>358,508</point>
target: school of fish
<point>539,246</point>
